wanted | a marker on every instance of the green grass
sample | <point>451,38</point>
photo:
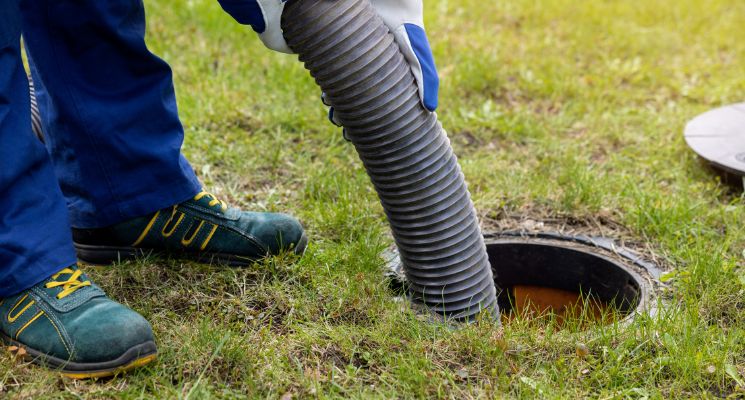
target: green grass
<point>557,109</point>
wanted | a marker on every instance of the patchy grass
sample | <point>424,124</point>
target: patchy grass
<point>561,109</point>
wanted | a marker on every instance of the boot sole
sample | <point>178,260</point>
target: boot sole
<point>135,357</point>
<point>105,255</point>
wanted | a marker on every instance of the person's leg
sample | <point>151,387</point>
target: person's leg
<point>109,115</point>
<point>49,308</point>
<point>35,238</point>
<point>108,110</point>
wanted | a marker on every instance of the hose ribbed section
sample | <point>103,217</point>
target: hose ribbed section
<point>353,58</point>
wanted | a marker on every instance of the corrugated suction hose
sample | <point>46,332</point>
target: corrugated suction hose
<point>354,59</point>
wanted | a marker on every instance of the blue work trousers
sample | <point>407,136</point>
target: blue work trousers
<point>112,132</point>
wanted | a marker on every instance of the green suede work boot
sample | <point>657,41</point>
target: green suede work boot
<point>202,229</point>
<point>68,323</point>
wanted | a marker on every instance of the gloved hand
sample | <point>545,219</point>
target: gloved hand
<point>264,16</point>
<point>405,20</point>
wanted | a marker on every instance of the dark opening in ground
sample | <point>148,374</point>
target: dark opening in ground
<point>563,277</point>
<point>540,278</point>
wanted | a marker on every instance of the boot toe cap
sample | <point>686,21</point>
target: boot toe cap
<point>107,330</point>
<point>280,232</point>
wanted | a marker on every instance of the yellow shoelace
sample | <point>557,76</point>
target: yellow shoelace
<point>213,199</point>
<point>70,285</point>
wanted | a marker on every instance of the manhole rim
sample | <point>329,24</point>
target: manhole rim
<point>644,272</point>
<point>645,287</point>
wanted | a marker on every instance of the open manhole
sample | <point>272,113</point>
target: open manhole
<point>550,274</point>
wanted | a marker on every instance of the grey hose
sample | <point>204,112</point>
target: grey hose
<point>407,154</point>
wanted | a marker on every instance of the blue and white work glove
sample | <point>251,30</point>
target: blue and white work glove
<point>405,19</point>
<point>264,16</point>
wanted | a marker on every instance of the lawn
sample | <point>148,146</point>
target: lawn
<point>559,110</point>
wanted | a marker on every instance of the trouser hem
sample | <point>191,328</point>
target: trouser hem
<point>38,271</point>
<point>141,204</point>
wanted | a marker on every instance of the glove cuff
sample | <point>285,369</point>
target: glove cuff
<point>272,36</point>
